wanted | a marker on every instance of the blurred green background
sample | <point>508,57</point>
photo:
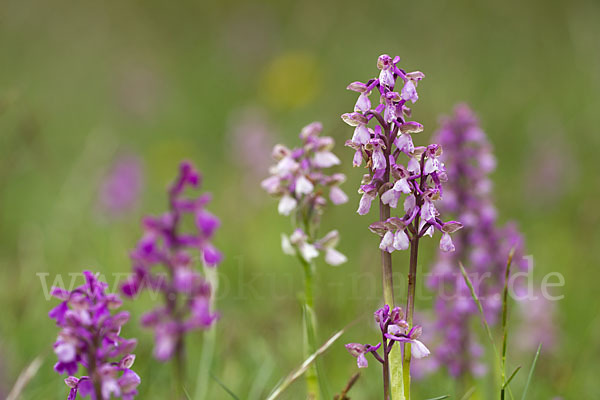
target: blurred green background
<point>219,83</point>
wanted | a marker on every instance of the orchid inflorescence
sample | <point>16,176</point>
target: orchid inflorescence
<point>416,181</point>
<point>187,294</point>
<point>90,337</point>
<point>482,246</point>
<point>420,180</point>
<point>300,183</point>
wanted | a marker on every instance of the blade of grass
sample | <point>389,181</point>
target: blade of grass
<point>304,366</point>
<point>309,317</point>
<point>24,378</point>
<point>511,376</point>
<point>537,354</point>
<point>504,319</point>
<point>480,307</point>
<point>260,381</point>
<point>344,392</point>
<point>225,388</point>
<point>469,393</point>
<point>446,396</point>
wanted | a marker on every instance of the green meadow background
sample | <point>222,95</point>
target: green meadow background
<point>82,82</point>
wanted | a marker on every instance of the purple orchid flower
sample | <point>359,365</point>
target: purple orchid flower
<point>299,181</point>
<point>187,295</point>
<point>90,337</point>
<point>481,246</point>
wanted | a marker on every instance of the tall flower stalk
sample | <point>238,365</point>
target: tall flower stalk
<point>186,293</point>
<point>299,181</point>
<point>90,337</point>
<point>482,246</point>
<point>419,182</point>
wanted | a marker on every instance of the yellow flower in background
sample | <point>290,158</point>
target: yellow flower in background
<point>290,80</point>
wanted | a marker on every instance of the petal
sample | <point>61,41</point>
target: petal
<point>164,346</point>
<point>395,330</point>
<point>429,231</point>
<point>65,352</point>
<point>387,241</point>
<point>391,198</point>
<point>334,257</point>
<point>60,293</point>
<point>365,204</point>
<point>72,381</point>
<point>207,222</point>
<point>413,166</point>
<point>361,135</point>
<point>418,349</point>
<point>361,361</point>
<point>354,119</point>
<point>286,246</point>
<point>110,387</point>
<point>357,87</point>
<point>411,127</point>
<point>378,159</point>
<point>363,104</point>
<point>312,129</point>
<point>451,226</point>
<point>446,243</point>
<point>286,205</point>
<point>325,159</point>
<point>285,166</point>
<point>355,349</point>
<point>211,255</point>
<point>358,158</point>
<point>298,237</point>
<point>85,386</point>
<point>409,92</point>
<point>410,203</point>
<point>404,143</point>
<point>58,312</point>
<point>128,382</point>
<point>386,77</point>
<point>428,211</point>
<point>401,241</point>
<point>330,240</point>
<point>127,361</point>
<point>337,195</point>
<point>431,165</point>
<point>308,251</point>
<point>303,186</point>
<point>402,186</point>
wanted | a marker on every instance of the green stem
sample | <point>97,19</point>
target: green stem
<point>312,379</point>
<point>209,343</point>
<point>93,371</point>
<point>179,369</point>
<point>395,356</point>
<point>386,371</point>
<point>504,319</point>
